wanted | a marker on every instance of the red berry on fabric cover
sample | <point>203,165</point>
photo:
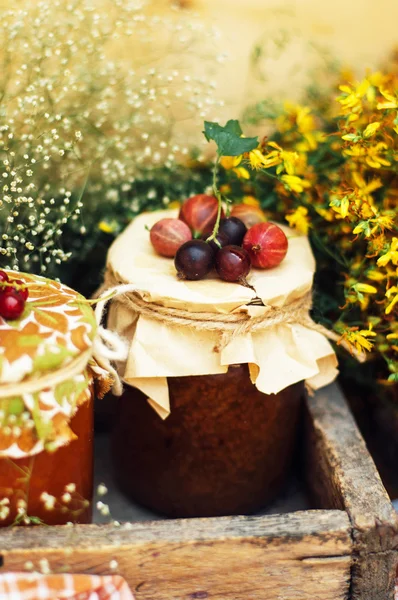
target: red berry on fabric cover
<point>3,276</point>
<point>23,290</point>
<point>12,304</point>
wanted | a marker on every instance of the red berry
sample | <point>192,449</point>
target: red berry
<point>3,276</point>
<point>200,214</point>
<point>194,260</point>
<point>250,215</point>
<point>12,305</point>
<point>232,263</point>
<point>167,235</point>
<point>23,290</point>
<point>266,244</point>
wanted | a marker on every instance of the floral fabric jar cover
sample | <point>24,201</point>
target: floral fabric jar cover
<point>46,375</point>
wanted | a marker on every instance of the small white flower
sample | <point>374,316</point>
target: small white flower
<point>102,489</point>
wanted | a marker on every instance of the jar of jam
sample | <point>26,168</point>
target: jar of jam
<point>214,377</point>
<point>225,449</point>
<point>47,385</point>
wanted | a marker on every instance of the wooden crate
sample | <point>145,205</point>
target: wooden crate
<point>345,549</point>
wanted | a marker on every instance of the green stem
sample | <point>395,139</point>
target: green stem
<point>217,194</point>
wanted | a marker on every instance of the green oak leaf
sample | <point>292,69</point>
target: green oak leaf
<point>227,138</point>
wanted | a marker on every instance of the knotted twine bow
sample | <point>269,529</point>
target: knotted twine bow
<point>228,326</point>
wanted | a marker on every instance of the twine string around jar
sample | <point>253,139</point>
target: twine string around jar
<point>228,326</point>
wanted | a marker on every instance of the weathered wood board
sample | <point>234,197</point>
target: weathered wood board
<point>345,549</point>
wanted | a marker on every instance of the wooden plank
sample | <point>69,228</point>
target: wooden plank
<point>342,474</point>
<point>303,555</point>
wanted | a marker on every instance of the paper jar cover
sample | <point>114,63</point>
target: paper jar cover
<point>277,357</point>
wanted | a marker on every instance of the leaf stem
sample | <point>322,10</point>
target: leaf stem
<point>217,194</point>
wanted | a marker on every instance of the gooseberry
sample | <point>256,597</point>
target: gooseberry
<point>250,215</point>
<point>234,229</point>
<point>266,244</point>
<point>233,263</point>
<point>200,214</point>
<point>167,235</point>
<point>222,240</point>
<point>194,260</point>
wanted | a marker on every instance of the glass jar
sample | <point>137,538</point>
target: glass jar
<point>225,449</point>
<point>47,388</point>
<point>52,487</point>
<point>228,436</point>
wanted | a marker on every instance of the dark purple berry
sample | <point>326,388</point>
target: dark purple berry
<point>234,229</point>
<point>233,263</point>
<point>222,240</point>
<point>194,259</point>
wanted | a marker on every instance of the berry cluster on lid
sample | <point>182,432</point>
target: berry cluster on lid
<point>203,238</point>
<point>13,295</point>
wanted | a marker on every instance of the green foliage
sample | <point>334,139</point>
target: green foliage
<point>228,138</point>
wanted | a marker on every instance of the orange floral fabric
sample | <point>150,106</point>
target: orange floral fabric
<point>56,327</point>
<point>24,586</point>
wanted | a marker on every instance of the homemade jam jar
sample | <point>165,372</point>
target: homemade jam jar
<point>214,380</point>
<point>225,449</point>
<point>47,385</point>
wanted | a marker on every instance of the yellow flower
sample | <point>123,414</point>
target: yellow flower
<point>294,183</point>
<point>374,157</point>
<point>250,200</point>
<point>365,288</point>
<point>107,227</point>
<point>344,206</point>
<point>391,255</point>
<point>372,154</point>
<point>279,156</point>
<point>375,275</point>
<point>299,220</point>
<point>389,293</point>
<point>357,340</point>
<point>257,160</point>
<point>381,222</point>
<point>242,173</point>
<point>352,98</point>
<point>365,190</point>
<point>371,129</point>
<point>174,204</point>
<point>230,162</point>
<point>325,214</point>
<point>341,207</point>
<point>392,102</point>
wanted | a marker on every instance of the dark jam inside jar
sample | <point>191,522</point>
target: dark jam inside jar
<point>225,449</point>
<point>52,487</point>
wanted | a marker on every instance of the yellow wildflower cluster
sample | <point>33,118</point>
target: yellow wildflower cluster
<point>331,169</point>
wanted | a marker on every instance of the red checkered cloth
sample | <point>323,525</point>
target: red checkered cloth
<point>33,586</point>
